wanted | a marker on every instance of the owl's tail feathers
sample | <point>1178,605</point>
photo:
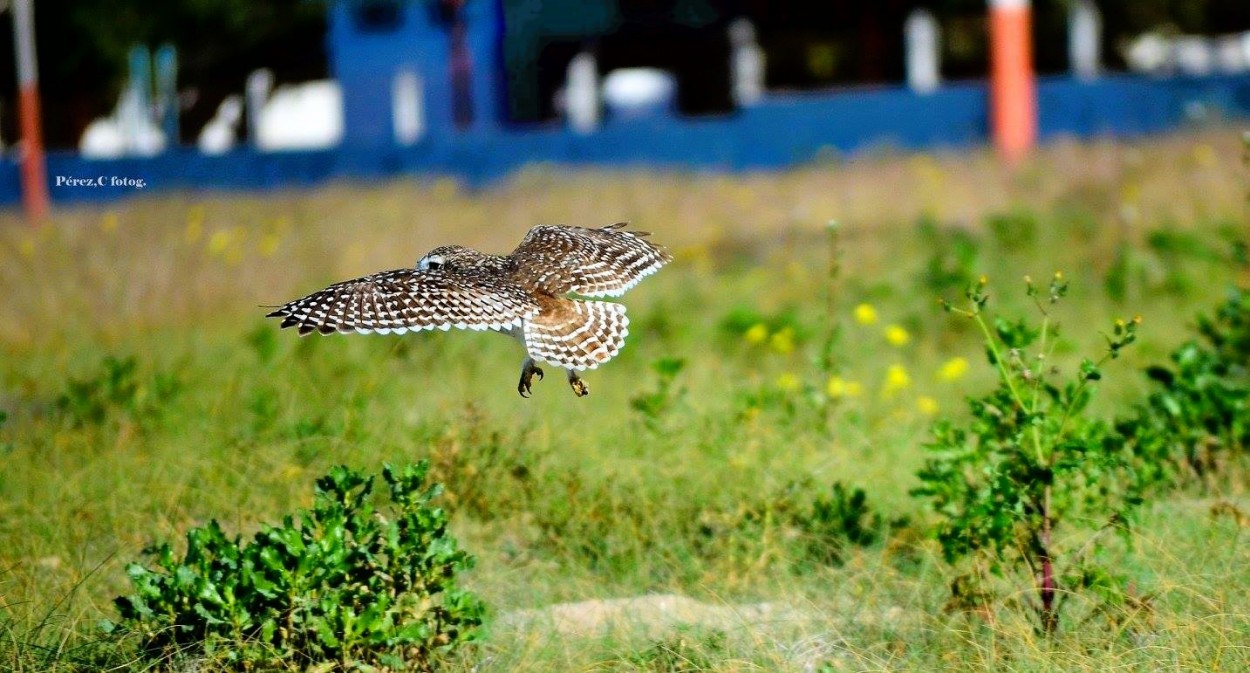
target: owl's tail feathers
<point>577,335</point>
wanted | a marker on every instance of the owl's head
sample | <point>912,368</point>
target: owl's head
<point>451,257</point>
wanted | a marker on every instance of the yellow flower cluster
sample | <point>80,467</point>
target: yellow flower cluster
<point>865,314</point>
<point>897,336</point>
<point>896,380</point>
<point>757,335</point>
<point>195,225</point>
<point>789,382</point>
<point>781,341</point>
<point>953,369</point>
<point>838,388</point>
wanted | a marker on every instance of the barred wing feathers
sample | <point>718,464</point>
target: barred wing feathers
<point>604,262</point>
<point>409,299</point>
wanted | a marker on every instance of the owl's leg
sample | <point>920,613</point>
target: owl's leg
<point>528,370</point>
<point>578,385</point>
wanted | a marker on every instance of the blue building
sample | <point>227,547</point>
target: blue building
<point>431,87</point>
<point>453,53</point>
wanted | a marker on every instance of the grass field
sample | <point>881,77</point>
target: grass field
<point>644,488</point>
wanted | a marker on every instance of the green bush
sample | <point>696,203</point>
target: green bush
<point>1198,418</point>
<point>344,584</point>
<point>5,447</point>
<point>1027,462</point>
<point>838,521</point>
<point>654,406</point>
<point>117,390</point>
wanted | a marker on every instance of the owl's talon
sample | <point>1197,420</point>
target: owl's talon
<point>579,386</point>
<point>528,371</point>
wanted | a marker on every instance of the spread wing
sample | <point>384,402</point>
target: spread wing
<point>411,299</point>
<point>591,262</point>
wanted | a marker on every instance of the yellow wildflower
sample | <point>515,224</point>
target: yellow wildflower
<point>757,335</point>
<point>783,341</point>
<point>108,223</point>
<point>896,379</point>
<point>268,244</point>
<point>27,247</point>
<point>865,314</point>
<point>219,241</point>
<point>789,382</point>
<point>1205,156</point>
<point>927,405</point>
<point>839,388</point>
<point>195,225</point>
<point>953,369</point>
<point>897,336</point>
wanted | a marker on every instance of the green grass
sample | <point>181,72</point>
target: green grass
<point>566,499</point>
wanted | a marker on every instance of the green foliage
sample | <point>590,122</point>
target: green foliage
<point>838,521</point>
<point>117,391</point>
<point>1198,418</point>
<point>656,404</point>
<point>953,258</point>
<point>264,343</point>
<point>826,528</point>
<point>5,447</point>
<point>686,649</point>
<point>1028,461</point>
<point>342,582</point>
<point>1014,230</point>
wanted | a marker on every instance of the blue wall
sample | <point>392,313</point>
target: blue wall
<point>782,131</point>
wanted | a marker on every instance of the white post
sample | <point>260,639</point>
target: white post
<point>406,110</point>
<point>134,114</point>
<point>1229,54</point>
<point>581,93</point>
<point>747,66</point>
<point>923,42</point>
<point>1084,40</point>
<point>256,91</point>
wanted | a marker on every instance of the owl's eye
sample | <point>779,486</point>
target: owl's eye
<point>431,262</point>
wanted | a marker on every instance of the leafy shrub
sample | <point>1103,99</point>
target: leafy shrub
<point>655,405</point>
<point>487,472</point>
<point>954,256</point>
<point>823,529</point>
<point>1027,462</point>
<point>1013,230</point>
<point>117,391</point>
<point>1199,417</point>
<point>342,583</point>
<point>5,447</point>
<point>838,521</point>
<point>688,648</point>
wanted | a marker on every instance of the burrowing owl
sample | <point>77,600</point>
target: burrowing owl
<point>525,294</point>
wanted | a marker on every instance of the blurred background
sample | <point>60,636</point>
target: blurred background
<point>402,85</point>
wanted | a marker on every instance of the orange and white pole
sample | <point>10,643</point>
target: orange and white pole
<point>34,173</point>
<point>1013,86</point>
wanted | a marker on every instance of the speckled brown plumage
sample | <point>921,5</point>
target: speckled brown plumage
<point>524,294</point>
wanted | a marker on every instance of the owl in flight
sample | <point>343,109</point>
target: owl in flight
<point>529,294</point>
